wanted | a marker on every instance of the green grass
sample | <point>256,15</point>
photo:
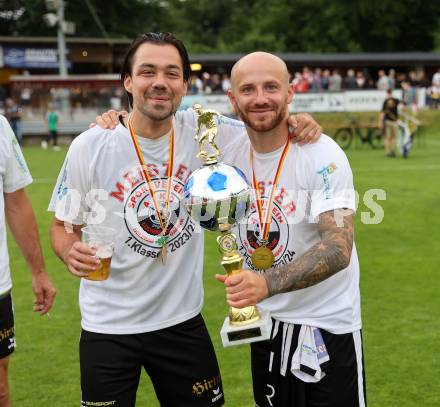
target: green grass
<point>399,283</point>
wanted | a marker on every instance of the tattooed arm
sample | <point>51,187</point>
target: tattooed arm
<point>320,262</point>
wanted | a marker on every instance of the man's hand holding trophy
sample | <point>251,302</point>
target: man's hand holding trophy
<point>217,196</point>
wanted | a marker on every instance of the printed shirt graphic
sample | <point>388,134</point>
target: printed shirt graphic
<point>14,175</point>
<point>314,179</point>
<point>141,294</point>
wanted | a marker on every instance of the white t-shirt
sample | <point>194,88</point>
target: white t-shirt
<point>14,175</point>
<point>141,294</point>
<point>315,178</point>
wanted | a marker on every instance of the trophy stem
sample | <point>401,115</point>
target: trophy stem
<point>232,262</point>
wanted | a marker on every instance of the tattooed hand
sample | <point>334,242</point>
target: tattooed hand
<point>322,260</point>
<point>244,288</point>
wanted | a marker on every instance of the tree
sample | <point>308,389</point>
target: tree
<point>246,25</point>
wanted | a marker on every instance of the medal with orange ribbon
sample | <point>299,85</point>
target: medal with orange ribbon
<point>162,214</point>
<point>262,258</point>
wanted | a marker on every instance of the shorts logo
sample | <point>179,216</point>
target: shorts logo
<point>270,396</point>
<point>202,386</point>
<point>12,343</point>
<point>217,395</point>
<point>98,403</point>
<point>7,333</point>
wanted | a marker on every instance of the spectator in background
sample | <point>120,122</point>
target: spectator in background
<point>436,78</point>
<point>196,84</point>
<point>360,80</point>
<point>216,83</point>
<point>316,85</point>
<point>401,77</point>
<point>412,90</point>
<point>392,79</point>
<point>13,114</point>
<point>433,95</point>
<point>335,81</point>
<point>350,80</point>
<point>307,76</point>
<point>388,122</point>
<point>303,84</point>
<point>226,83</point>
<point>325,80</point>
<point>382,83</point>
<point>207,83</point>
<point>368,79</point>
<point>52,119</point>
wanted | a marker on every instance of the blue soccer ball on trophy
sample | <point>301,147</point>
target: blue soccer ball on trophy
<point>217,196</point>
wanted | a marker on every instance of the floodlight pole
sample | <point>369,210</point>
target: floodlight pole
<point>61,40</point>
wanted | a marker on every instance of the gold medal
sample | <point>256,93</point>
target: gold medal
<point>262,258</point>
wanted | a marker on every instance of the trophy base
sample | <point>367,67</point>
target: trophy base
<point>238,334</point>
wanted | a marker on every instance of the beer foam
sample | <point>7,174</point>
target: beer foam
<point>104,251</point>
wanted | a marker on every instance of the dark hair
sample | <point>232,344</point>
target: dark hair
<point>160,38</point>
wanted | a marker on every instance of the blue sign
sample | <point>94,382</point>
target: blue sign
<point>20,57</point>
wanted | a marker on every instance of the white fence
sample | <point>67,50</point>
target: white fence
<point>348,101</point>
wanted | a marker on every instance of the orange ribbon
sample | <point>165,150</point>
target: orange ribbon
<point>266,220</point>
<point>147,176</point>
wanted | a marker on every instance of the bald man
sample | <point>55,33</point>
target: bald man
<point>303,268</point>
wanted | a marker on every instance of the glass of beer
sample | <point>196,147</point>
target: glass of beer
<point>100,238</point>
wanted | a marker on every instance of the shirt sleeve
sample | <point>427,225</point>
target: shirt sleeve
<point>231,133</point>
<point>330,179</point>
<point>17,173</point>
<point>74,182</point>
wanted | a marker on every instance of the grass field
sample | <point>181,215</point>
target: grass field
<point>399,284</point>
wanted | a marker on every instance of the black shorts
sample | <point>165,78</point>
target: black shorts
<point>342,386</point>
<point>180,361</point>
<point>7,332</point>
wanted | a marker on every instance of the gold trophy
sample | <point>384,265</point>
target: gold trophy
<point>217,196</point>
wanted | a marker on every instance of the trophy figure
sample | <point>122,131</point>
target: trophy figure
<point>217,196</point>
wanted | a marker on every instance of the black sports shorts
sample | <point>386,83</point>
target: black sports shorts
<point>7,333</point>
<point>180,361</point>
<point>342,386</point>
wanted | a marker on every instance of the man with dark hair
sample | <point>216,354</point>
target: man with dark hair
<point>16,208</point>
<point>388,121</point>
<point>147,313</point>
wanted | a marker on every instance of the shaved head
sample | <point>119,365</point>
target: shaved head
<point>259,62</point>
<point>260,91</point>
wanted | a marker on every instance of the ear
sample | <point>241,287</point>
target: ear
<point>231,97</point>
<point>233,100</point>
<point>128,84</point>
<point>186,85</point>
<point>290,93</point>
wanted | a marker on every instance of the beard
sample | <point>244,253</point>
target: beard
<point>263,124</point>
<point>159,111</point>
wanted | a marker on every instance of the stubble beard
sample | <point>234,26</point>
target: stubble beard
<point>158,112</point>
<point>260,126</point>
